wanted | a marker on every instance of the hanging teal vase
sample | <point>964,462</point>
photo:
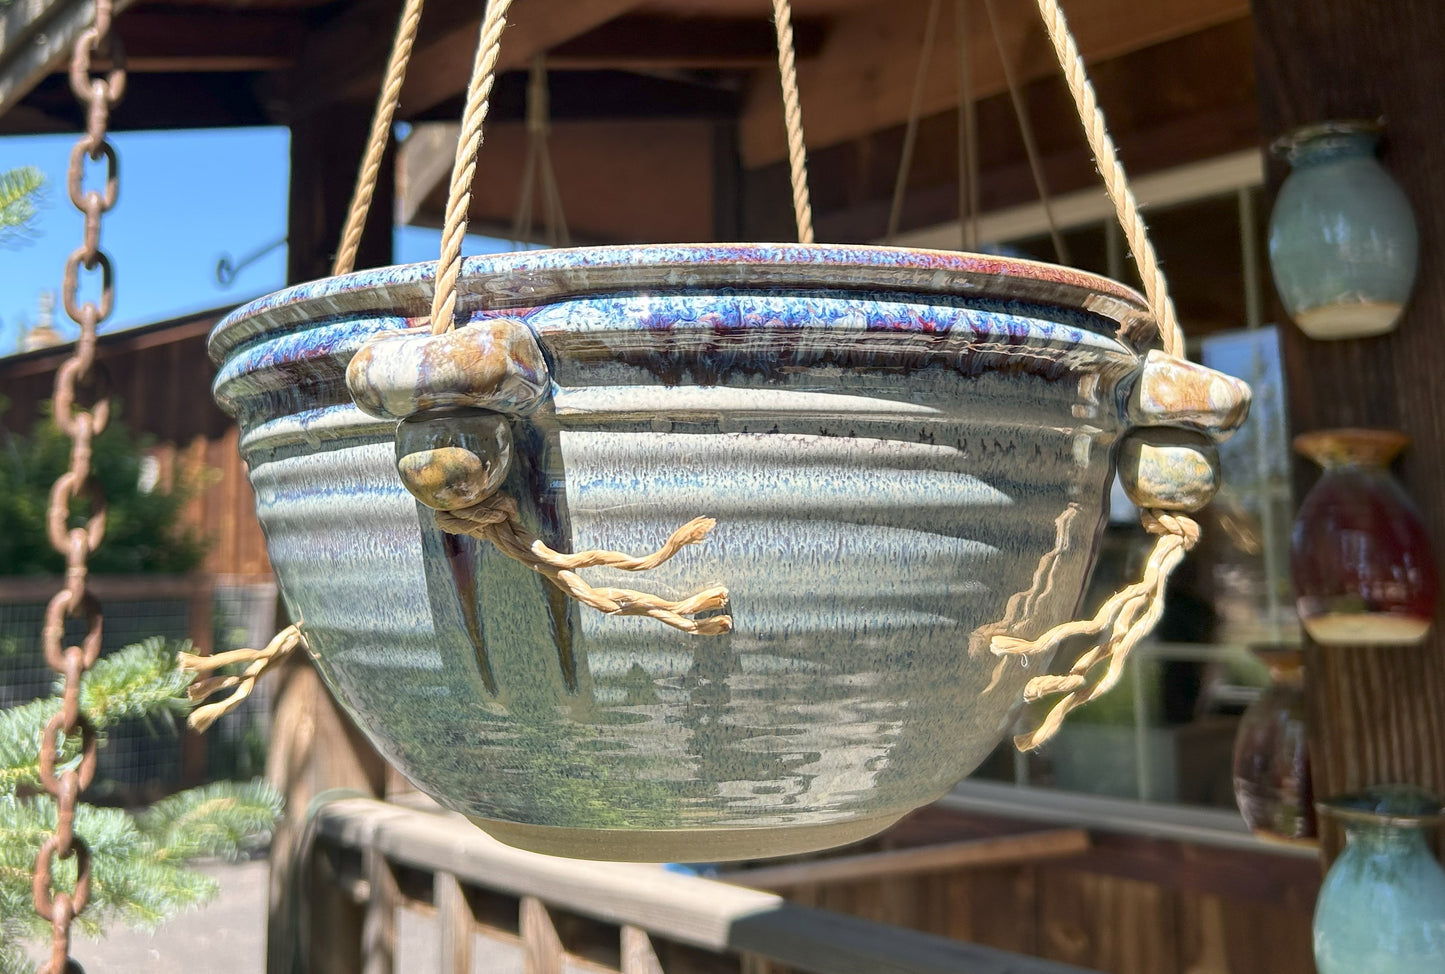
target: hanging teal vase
<point>1342,239</point>
<point>1381,909</point>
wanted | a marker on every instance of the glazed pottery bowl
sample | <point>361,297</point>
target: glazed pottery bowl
<point>906,453</point>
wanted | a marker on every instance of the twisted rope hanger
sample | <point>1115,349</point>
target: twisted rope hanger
<point>793,119</point>
<point>1132,612</point>
<point>386,103</point>
<point>1116,182</point>
<point>464,166</point>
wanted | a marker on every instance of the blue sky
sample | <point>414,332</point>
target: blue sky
<point>186,199</point>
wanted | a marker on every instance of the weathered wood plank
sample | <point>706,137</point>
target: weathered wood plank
<point>1116,925</point>
<point>638,957</point>
<point>35,38</point>
<point>692,911</point>
<point>378,928</point>
<point>994,851</point>
<point>542,951</point>
<point>344,61</point>
<point>456,922</point>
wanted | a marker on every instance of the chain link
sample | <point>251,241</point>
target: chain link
<point>82,410</point>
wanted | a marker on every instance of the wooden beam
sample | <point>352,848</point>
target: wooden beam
<point>342,58</point>
<point>647,42</point>
<point>36,38</point>
<point>862,79</point>
<point>599,96</point>
<point>1004,850</point>
<point>206,39</point>
<point>152,101</point>
<point>1375,712</point>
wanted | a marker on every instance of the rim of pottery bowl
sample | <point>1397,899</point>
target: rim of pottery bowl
<point>1284,145</point>
<point>1408,806</point>
<point>527,279</point>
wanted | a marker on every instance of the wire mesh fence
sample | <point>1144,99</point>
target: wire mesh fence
<point>144,760</point>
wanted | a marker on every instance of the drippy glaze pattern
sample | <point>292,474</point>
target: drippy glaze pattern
<point>905,451</point>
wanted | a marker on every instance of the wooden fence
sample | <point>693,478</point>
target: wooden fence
<point>570,915</point>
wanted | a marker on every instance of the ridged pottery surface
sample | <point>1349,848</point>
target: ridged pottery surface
<point>906,453</point>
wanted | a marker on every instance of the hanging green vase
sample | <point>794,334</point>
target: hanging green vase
<point>1342,239</point>
<point>1381,909</point>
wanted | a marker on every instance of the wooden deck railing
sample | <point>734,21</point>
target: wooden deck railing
<point>610,917</point>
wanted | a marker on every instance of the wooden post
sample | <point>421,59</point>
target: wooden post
<point>456,922</point>
<point>313,926</point>
<point>1377,713</point>
<point>542,951</point>
<point>378,936</point>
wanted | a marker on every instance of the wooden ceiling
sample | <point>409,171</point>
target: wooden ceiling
<point>666,120</point>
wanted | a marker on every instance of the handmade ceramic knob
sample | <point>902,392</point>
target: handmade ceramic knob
<point>1168,469</point>
<point>1342,239</point>
<point>493,364</point>
<point>1176,392</point>
<point>453,458</point>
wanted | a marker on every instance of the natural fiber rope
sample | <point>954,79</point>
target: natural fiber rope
<point>376,142</point>
<point>915,115</point>
<point>793,119</point>
<point>1106,157</point>
<point>968,196</point>
<point>1026,134</point>
<point>1132,612</point>
<point>1127,617</point>
<point>464,166</point>
<point>495,519</point>
<point>259,660</point>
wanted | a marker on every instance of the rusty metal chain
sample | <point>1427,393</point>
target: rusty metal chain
<point>82,410</point>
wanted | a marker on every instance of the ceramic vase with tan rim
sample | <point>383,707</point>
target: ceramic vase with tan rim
<point>1342,239</point>
<point>1272,783</point>
<point>1381,908</point>
<point>907,453</point>
<point>1360,557</point>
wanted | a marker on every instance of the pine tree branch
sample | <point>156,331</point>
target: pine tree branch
<point>140,681</point>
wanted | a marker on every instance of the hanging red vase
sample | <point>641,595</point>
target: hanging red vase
<point>1360,556</point>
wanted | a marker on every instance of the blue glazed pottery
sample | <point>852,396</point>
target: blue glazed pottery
<point>1381,909</point>
<point>1342,239</point>
<point>906,453</point>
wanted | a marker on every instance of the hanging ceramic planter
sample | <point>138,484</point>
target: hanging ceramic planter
<point>1342,239</point>
<point>1360,556</point>
<point>906,455</point>
<point>1381,909</point>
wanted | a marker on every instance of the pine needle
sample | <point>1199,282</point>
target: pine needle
<point>19,202</point>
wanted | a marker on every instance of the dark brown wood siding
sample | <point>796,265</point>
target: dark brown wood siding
<point>161,379</point>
